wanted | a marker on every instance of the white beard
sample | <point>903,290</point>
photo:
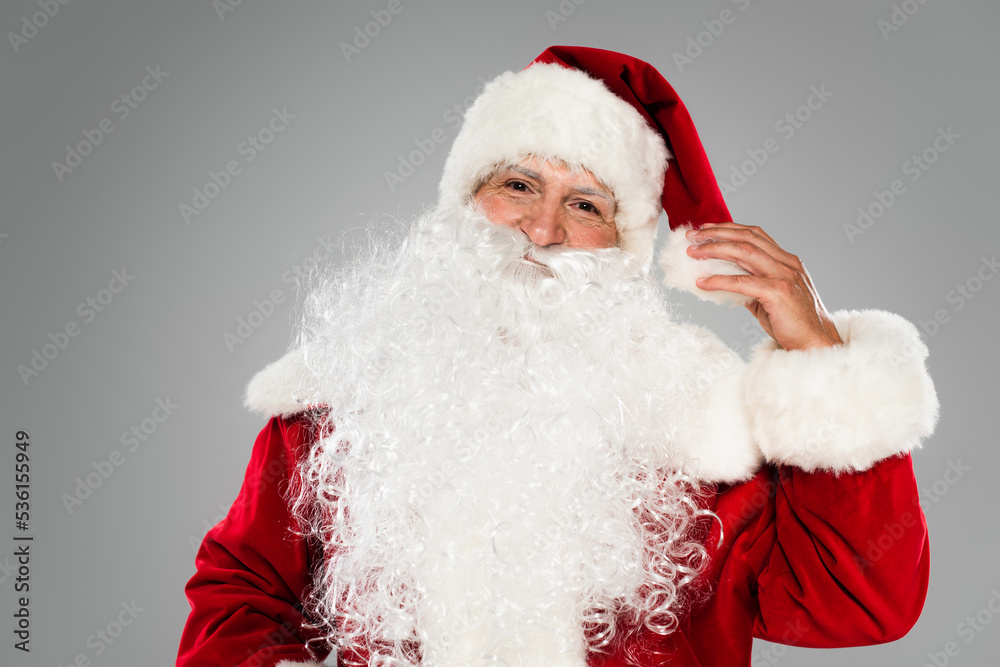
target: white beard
<point>498,483</point>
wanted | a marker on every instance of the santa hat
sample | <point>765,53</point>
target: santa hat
<point>607,112</point>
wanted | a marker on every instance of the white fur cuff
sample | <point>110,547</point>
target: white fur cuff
<point>279,388</point>
<point>843,408</point>
<point>680,270</point>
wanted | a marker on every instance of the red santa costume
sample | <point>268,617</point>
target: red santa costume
<point>474,458</point>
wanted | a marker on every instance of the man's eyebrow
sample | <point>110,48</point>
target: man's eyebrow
<point>587,190</point>
<point>527,172</point>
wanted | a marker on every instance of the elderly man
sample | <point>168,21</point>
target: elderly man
<point>494,445</point>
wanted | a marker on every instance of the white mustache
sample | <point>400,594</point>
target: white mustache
<point>577,266</point>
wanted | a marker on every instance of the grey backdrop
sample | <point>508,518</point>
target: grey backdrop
<point>895,76</point>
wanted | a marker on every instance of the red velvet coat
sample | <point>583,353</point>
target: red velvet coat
<point>809,559</point>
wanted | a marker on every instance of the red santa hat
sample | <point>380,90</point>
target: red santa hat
<point>609,113</point>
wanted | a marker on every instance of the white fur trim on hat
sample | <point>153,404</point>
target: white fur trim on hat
<point>289,663</point>
<point>846,407</point>
<point>554,112</point>
<point>680,270</point>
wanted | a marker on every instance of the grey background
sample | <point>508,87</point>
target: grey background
<point>163,335</point>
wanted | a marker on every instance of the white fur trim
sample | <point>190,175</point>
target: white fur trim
<point>717,441</point>
<point>554,112</point>
<point>717,444</point>
<point>843,408</point>
<point>279,389</point>
<point>680,270</point>
<point>289,663</point>
<point>727,451</point>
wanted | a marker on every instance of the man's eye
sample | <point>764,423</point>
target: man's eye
<point>587,207</point>
<point>520,186</point>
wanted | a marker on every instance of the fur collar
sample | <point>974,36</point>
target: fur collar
<point>839,409</point>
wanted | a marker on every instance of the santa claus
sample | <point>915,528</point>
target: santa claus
<point>492,443</point>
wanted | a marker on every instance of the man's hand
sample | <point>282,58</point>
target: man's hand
<point>785,302</point>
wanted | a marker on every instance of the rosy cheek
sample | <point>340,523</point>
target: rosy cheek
<point>592,239</point>
<point>490,206</point>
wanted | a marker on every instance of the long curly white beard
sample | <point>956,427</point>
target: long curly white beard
<point>496,486</point>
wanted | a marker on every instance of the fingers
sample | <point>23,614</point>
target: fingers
<point>765,290</point>
<point>740,244</point>
<point>784,300</point>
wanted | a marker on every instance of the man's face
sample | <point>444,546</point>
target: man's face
<point>552,205</point>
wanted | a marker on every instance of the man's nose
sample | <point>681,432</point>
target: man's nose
<point>544,224</point>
